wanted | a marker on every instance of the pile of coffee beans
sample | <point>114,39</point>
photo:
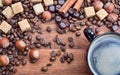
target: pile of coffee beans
<point>70,21</point>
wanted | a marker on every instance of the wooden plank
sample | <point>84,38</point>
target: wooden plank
<point>77,67</point>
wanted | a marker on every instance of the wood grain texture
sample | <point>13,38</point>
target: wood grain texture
<point>77,67</point>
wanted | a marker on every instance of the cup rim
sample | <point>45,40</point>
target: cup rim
<point>90,51</point>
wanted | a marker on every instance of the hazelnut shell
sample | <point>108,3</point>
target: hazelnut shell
<point>20,44</point>
<point>109,7</point>
<point>46,15</point>
<point>112,17</point>
<point>4,60</point>
<point>34,54</point>
<point>97,5</point>
<point>4,42</point>
<point>7,2</point>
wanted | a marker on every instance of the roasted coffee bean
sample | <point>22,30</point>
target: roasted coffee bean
<point>33,61</point>
<point>90,19</point>
<point>71,44</point>
<point>62,25</point>
<point>70,39</point>
<point>78,34</point>
<point>58,19</point>
<point>24,62</point>
<point>44,69</point>
<point>76,15</point>
<point>70,55</point>
<point>20,57</point>
<point>38,45</point>
<point>58,7</point>
<point>49,29</point>
<point>115,27</point>
<point>29,38</point>
<point>51,8</point>
<point>60,31</point>
<point>81,17</point>
<point>65,15</point>
<point>25,53</point>
<point>63,48</point>
<point>49,64</point>
<point>38,37</point>
<point>94,21</point>
<point>61,2</point>
<point>82,23</point>
<point>62,60</point>
<point>53,54</point>
<point>69,60</point>
<point>52,59</point>
<point>65,55</point>
<point>71,11</point>
<point>58,53</point>
<point>14,70</point>
<point>17,63</point>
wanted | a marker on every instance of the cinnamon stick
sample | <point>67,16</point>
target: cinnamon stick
<point>66,6</point>
<point>78,5</point>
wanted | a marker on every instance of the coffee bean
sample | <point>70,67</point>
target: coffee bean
<point>65,55</point>
<point>70,39</point>
<point>70,55</point>
<point>71,11</point>
<point>60,31</point>
<point>62,25</point>
<point>38,45</point>
<point>25,53</point>
<point>78,34</point>
<point>115,27</point>
<point>76,15</point>
<point>63,48</point>
<point>17,63</point>
<point>81,17</point>
<point>48,29</point>
<point>29,38</point>
<point>58,19</point>
<point>71,44</point>
<point>58,7</point>
<point>33,61</point>
<point>68,60</point>
<point>49,64</point>
<point>38,37</point>
<point>82,23</point>
<point>58,53</point>
<point>44,69</point>
<point>24,62</point>
<point>51,8</point>
<point>52,59</point>
<point>61,2</point>
<point>62,60</point>
<point>53,54</point>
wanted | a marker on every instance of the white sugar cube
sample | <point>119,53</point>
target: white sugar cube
<point>48,2</point>
<point>36,0</point>
<point>17,7</point>
<point>89,12</point>
<point>8,13</point>
<point>5,27</point>
<point>1,4</point>
<point>102,14</point>
<point>24,25</point>
<point>38,8</point>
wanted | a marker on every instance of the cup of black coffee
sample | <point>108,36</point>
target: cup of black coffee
<point>103,53</point>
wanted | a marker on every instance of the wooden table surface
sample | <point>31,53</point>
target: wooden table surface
<point>77,67</point>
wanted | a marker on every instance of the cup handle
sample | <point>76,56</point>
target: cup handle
<point>89,34</point>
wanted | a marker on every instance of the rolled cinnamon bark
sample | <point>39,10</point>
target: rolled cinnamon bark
<point>78,5</point>
<point>66,6</point>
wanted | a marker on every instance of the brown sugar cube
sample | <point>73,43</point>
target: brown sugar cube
<point>5,27</point>
<point>48,2</point>
<point>38,8</point>
<point>17,7</point>
<point>89,12</point>
<point>24,25</point>
<point>1,4</point>
<point>101,14</point>
<point>36,0</point>
<point>8,13</point>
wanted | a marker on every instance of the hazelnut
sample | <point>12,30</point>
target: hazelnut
<point>34,54</point>
<point>98,5</point>
<point>20,44</point>
<point>7,2</point>
<point>4,42</point>
<point>109,7</point>
<point>46,15</point>
<point>4,60</point>
<point>112,17</point>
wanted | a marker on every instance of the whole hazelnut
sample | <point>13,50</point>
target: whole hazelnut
<point>46,15</point>
<point>7,2</point>
<point>4,60</point>
<point>112,17</point>
<point>4,42</point>
<point>109,7</point>
<point>34,54</point>
<point>20,44</point>
<point>97,5</point>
